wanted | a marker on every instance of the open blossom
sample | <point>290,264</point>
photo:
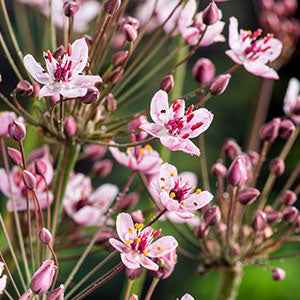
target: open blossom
<point>141,159</point>
<point>253,51</point>
<point>291,104</point>
<point>13,186</point>
<point>137,245</point>
<point>174,126</point>
<point>3,278</point>
<point>87,207</point>
<point>64,74</point>
<point>176,194</point>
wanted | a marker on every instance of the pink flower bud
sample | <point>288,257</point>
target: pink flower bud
<point>167,84</point>
<point>116,75</point>
<point>91,96</point>
<point>201,231</point>
<point>277,167</point>
<point>290,214</point>
<point>260,221</point>
<point>286,129</point>
<point>248,196</point>
<point>231,149</point>
<point>94,151</point>
<point>237,174</point>
<point>59,52</point>
<point>137,216</point>
<point>120,58</point>
<point>211,14</point>
<point>110,6</point>
<point>269,132</point>
<point>27,295</point>
<point>220,84</point>
<point>272,215</point>
<point>71,7</point>
<point>134,297</point>
<point>70,126</point>
<point>278,274</point>
<point>57,294</point>
<point>130,32</point>
<point>15,155</point>
<point>134,273</point>
<point>40,167</point>
<point>24,88</point>
<point>17,130</point>
<point>45,236</point>
<point>29,180</point>
<point>128,201</point>
<point>136,123</point>
<point>212,216</point>
<point>219,170</point>
<point>111,103</point>
<point>42,279</point>
<point>103,168</point>
<point>254,157</point>
<point>204,71</point>
<point>36,89</point>
<point>290,6</point>
<point>288,198</point>
<point>267,4</point>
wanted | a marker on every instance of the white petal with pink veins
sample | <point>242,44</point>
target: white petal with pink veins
<point>162,246</point>
<point>125,227</point>
<point>159,108</point>
<point>197,201</point>
<point>155,130</point>
<point>79,55</point>
<point>35,69</point>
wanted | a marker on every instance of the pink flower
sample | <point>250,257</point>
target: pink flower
<point>6,117</point>
<point>13,186</point>
<point>173,126</point>
<point>137,247</point>
<point>141,159</point>
<point>177,194</point>
<point>187,297</point>
<point>3,278</point>
<point>64,75</point>
<point>87,207</point>
<point>252,51</point>
<point>291,100</point>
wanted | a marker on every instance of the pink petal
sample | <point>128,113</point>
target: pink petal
<point>167,170</point>
<point>3,281</point>
<point>197,201</point>
<point>119,156</point>
<point>35,69</point>
<point>190,178</point>
<point>162,246</point>
<point>168,202</point>
<point>86,80</point>
<point>213,34</point>
<point>4,183</point>
<point>48,91</point>
<point>178,108</point>
<point>73,92</point>
<point>87,216</point>
<point>155,130</point>
<point>234,57</point>
<point>118,245</point>
<point>187,297</point>
<point>234,37</point>
<point>186,15</point>
<point>191,35</point>
<point>159,108</point>
<point>261,70</point>
<point>148,263</point>
<point>291,95</point>
<point>125,227</point>
<point>80,55</point>
<point>129,262</point>
<point>150,164</point>
<point>104,196</point>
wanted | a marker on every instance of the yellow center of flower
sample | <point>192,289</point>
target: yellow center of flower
<point>172,195</point>
<point>139,226</point>
<point>148,147</point>
<point>198,191</point>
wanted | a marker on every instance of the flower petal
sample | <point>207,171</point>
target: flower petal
<point>35,69</point>
<point>159,108</point>
<point>129,262</point>
<point>162,246</point>
<point>148,263</point>
<point>125,227</point>
<point>234,37</point>
<point>119,246</point>
<point>86,80</point>
<point>153,129</point>
<point>120,156</point>
<point>213,34</point>
<point>261,70</point>
<point>291,95</point>
<point>48,91</point>
<point>73,92</point>
<point>234,57</point>
<point>79,55</point>
<point>197,201</point>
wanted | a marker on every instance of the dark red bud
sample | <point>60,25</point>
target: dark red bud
<point>167,84</point>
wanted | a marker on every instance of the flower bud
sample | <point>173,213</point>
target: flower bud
<point>270,131</point>
<point>45,236</point>
<point>24,88</point>
<point>212,216</point>
<point>71,7</point>
<point>211,14</point>
<point>134,273</point>
<point>278,274</point>
<point>219,170</point>
<point>134,297</point>
<point>237,174</point>
<point>136,123</point>
<point>130,32</point>
<point>17,130</point>
<point>290,6</point>
<point>167,84</point>
<point>272,215</point>
<point>201,231</point>
<point>110,6</point>
<point>128,201</point>
<point>59,52</point>
<point>42,279</point>
<point>286,129</point>
<point>254,157</point>
<point>120,58</point>
<point>40,167</point>
<point>204,71</point>
<point>260,221</point>
<point>231,149</point>
<point>111,103</point>
<point>57,294</point>
<point>288,198</point>
<point>277,166</point>
<point>137,216</point>
<point>290,214</point>
<point>29,180</point>
<point>220,84</point>
<point>27,295</point>
<point>91,96</point>
<point>248,196</point>
<point>103,168</point>
<point>70,126</point>
<point>15,155</point>
<point>116,75</point>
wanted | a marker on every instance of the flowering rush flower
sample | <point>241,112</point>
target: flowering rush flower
<point>291,100</point>
<point>253,51</point>
<point>141,159</point>
<point>137,247</point>
<point>12,185</point>
<point>64,74</point>
<point>84,206</point>
<point>3,278</point>
<point>176,194</point>
<point>174,126</point>
<point>187,297</point>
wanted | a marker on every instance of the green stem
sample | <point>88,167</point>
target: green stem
<point>230,282</point>
<point>152,288</point>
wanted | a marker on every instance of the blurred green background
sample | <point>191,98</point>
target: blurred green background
<point>233,114</point>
